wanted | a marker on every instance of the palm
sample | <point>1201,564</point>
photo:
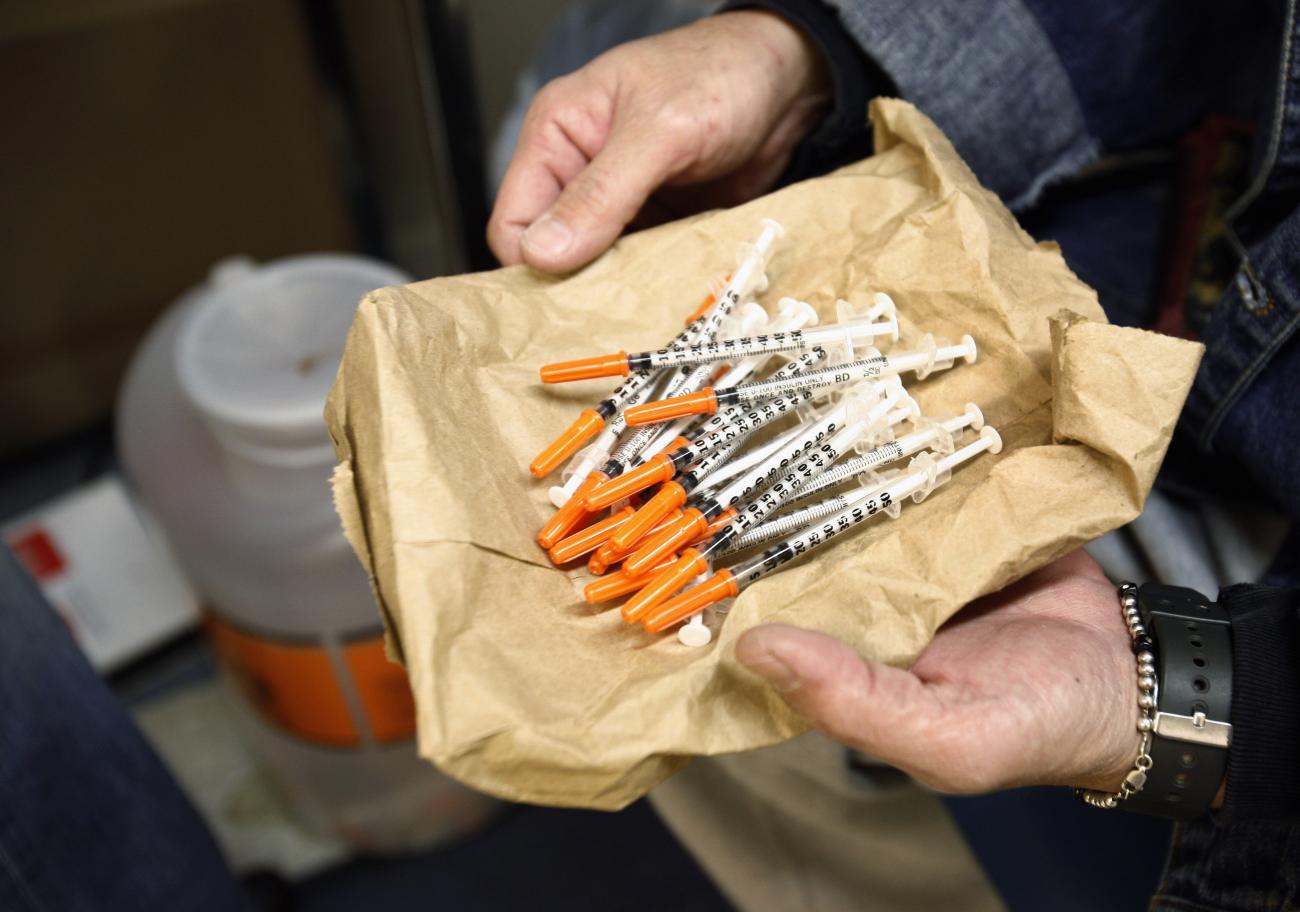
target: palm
<point>1031,685</point>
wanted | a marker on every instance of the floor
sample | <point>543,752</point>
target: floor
<point>536,858</point>
<point>533,857</point>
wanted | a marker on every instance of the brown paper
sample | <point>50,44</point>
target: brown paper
<point>526,692</point>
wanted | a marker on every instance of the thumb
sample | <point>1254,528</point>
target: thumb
<point>597,204</point>
<point>880,710</point>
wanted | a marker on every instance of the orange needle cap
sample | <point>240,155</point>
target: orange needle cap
<point>568,517</point>
<point>670,497</point>
<point>609,553</point>
<point>590,538</point>
<point>564,446</point>
<point>614,365</point>
<point>659,468</point>
<point>717,587</point>
<point>709,300</point>
<point>705,402</point>
<point>653,549</point>
<point>601,559</point>
<point>663,584</point>
<point>619,584</point>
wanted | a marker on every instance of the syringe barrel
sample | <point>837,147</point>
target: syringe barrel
<point>821,378</point>
<point>881,455</point>
<point>772,468</point>
<point>742,424</point>
<point>796,519</point>
<point>821,531</point>
<point>874,501</point>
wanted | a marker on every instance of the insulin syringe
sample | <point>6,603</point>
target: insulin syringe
<point>622,363</point>
<point>590,421</point>
<point>598,451</point>
<point>569,516</point>
<point>677,492</point>
<point>700,329</point>
<point>627,454</point>
<point>668,540</point>
<point>730,582</point>
<point>935,435</point>
<point>707,401</point>
<point>694,561</point>
<point>739,426</point>
<point>792,315</point>
<point>662,466</point>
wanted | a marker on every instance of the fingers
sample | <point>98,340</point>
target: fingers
<point>875,708</point>
<point>595,206</point>
<point>580,175</point>
<point>556,142</point>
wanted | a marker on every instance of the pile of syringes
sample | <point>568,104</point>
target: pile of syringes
<point>704,469</point>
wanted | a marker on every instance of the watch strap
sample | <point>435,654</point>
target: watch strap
<point>1191,731</point>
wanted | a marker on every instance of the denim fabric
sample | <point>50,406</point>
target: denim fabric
<point>1241,403</point>
<point>89,819</point>
<point>1277,188</point>
<point>1111,238</point>
<point>1245,867</point>
<point>986,73</point>
<point>1147,71</point>
<point>1260,430</point>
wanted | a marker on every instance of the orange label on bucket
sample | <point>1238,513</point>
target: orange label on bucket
<point>294,685</point>
<point>383,688</point>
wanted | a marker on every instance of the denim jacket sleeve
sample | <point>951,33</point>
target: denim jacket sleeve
<point>983,70</point>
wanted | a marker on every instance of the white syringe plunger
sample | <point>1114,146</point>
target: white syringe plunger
<point>989,440</point>
<point>583,463</point>
<point>772,232</point>
<point>970,417</point>
<point>695,632</point>
<point>942,357</point>
<point>883,305</point>
<point>753,255</point>
<point>792,308</point>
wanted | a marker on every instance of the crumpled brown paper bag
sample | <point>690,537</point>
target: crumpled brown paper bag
<point>526,692</point>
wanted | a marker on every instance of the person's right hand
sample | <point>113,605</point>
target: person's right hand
<point>1033,685</point>
<point>713,110</point>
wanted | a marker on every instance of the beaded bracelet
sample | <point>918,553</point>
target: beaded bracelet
<point>1146,679</point>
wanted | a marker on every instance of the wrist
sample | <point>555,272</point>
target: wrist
<point>1144,665</point>
<point>1183,647</point>
<point>796,66</point>
<point>1121,737</point>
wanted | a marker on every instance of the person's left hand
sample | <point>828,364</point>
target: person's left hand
<point>1035,685</point>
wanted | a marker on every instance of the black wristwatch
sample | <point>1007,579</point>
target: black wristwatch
<point>1191,638</point>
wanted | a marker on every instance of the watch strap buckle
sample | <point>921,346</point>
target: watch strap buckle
<point>1193,729</point>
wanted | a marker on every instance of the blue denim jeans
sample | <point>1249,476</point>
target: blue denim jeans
<point>89,817</point>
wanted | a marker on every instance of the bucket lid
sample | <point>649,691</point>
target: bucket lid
<point>259,353</point>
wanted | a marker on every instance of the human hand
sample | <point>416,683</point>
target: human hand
<point>1034,685</point>
<point>713,110</point>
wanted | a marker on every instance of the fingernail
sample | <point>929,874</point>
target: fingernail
<point>548,236</point>
<point>778,674</point>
